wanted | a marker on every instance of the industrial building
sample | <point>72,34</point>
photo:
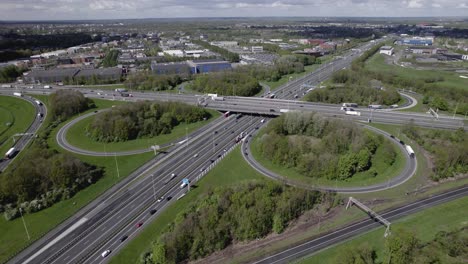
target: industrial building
<point>61,75</point>
<point>205,66</point>
<point>387,50</point>
<point>417,41</point>
<point>180,68</point>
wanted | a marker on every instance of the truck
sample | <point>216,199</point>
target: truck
<point>354,113</point>
<point>350,105</point>
<point>284,110</point>
<point>10,153</point>
<point>375,106</point>
<point>121,90</point>
<point>38,102</point>
<point>217,98</point>
<point>18,94</point>
<point>6,86</point>
<point>47,87</point>
<point>410,151</point>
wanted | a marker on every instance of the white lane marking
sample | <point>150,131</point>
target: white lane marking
<point>55,240</point>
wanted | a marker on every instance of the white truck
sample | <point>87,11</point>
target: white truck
<point>410,150</point>
<point>47,87</point>
<point>354,113</point>
<point>284,110</point>
<point>10,153</point>
<point>217,98</point>
<point>121,90</point>
<point>18,94</point>
<point>6,86</point>
<point>38,102</point>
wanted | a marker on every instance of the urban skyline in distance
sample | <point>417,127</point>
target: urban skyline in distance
<point>121,9</point>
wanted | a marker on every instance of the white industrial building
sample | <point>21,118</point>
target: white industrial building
<point>257,49</point>
<point>224,43</point>
<point>387,50</point>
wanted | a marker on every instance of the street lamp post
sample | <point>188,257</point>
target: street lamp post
<point>24,223</point>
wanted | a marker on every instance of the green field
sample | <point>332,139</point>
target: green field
<point>16,115</point>
<point>424,224</point>
<point>384,172</point>
<point>231,170</point>
<point>451,79</point>
<point>14,239</point>
<point>77,137</point>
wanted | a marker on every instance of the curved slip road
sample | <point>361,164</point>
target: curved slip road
<point>408,171</point>
<point>23,141</point>
<point>63,143</point>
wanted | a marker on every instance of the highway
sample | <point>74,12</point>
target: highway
<point>408,171</point>
<point>24,140</point>
<point>343,234</point>
<point>102,224</point>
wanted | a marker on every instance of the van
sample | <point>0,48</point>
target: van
<point>183,185</point>
<point>105,253</point>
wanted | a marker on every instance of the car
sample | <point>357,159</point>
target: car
<point>139,224</point>
<point>202,169</point>
<point>196,155</point>
<point>152,211</point>
<point>272,110</point>
<point>216,132</point>
<point>122,239</point>
<point>262,121</point>
<point>173,175</point>
<point>160,199</point>
<point>105,253</point>
<point>169,198</point>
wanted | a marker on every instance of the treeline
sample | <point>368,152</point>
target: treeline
<point>449,149</point>
<point>151,81</point>
<point>227,55</point>
<point>231,214</point>
<point>318,147</point>
<point>43,176</point>
<point>9,73</point>
<point>355,86</point>
<point>110,60</point>
<point>66,103</point>
<point>226,83</point>
<point>403,247</point>
<point>142,119</point>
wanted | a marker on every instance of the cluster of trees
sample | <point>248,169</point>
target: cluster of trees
<point>110,60</point>
<point>321,148</point>
<point>450,157</point>
<point>9,73</point>
<point>355,85</point>
<point>66,103</point>
<point>354,88</point>
<point>230,214</point>
<point>142,119</point>
<point>227,83</point>
<point>151,81</point>
<point>90,81</point>
<point>42,178</point>
<point>227,55</point>
<point>402,247</point>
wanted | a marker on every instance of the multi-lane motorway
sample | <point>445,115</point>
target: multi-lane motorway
<point>24,140</point>
<point>104,223</point>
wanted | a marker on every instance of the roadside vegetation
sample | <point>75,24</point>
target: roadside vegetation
<point>9,73</point>
<point>231,214</point>
<point>150,81</point>
<point>110,60</point>
<point>425,237</point>
<point>354,85</point>
<point>142,119</point>
<point>318,147</point>
<point>16,115</point>
<point>44,176</point>
<point>448,150</point>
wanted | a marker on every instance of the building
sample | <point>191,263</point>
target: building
<point>423,50</point>
<point>387,50</point>
<point>50,76</point>
<point>175,53</point>
<point>194,53</point>
<point>417,41</point>
<point>224,43</point>
<point>257,49</point>
<point>180,68</point>
<point>205,66</point>
<point>108,74</point>
<point>261,58</point>
<point>464,57</point>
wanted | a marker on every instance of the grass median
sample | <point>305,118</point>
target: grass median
<point>16,116</point>
<point>231,170</point>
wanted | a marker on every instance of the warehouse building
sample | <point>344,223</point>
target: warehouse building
<point>206,66</point>
<point>62,75</point>
<point>180,68</point>
<point>387,50</point>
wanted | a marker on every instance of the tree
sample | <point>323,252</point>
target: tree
<point>159,253</point>
<point>400,247</point>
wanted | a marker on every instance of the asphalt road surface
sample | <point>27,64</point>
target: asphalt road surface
<point>408,171</point>
<point>338,236</point>
<point>23,141</point>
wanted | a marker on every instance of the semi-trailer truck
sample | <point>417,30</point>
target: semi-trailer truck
<point>18,94</point>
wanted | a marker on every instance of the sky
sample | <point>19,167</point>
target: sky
<point>121,9</point>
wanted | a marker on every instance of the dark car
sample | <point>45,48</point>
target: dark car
<point>272,110</point>
<point>152,211</point>
<point>169,198</point>
<point>139,224</point>
<point>122,239</point>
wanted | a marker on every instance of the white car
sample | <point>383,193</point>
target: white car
<point>105,253</point>
<point>262,121</point>
<point>160,199</point>
<point>196,155</point>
